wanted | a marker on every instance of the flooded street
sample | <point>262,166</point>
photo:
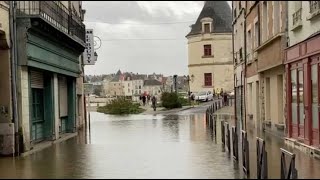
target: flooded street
<point>138,146</point>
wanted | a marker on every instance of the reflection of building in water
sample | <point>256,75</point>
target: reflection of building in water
<point>198,127</point>
<point>170,124</point>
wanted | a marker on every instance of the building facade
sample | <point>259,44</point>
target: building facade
<point>210,49</point>
<point>270,54</point>
<point>252,84</point>
<point>7,128</point>
<point>302,72</point>
<point>152,87</point>
<point>238,26</point>
<point>49,50</point>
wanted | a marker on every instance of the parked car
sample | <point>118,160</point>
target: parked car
<point>204,96</point>
<point>231,94</point>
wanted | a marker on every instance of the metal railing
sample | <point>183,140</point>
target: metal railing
<point>235,143</point>
<point>223,136</point>
<point>292,172</point>
<point>261,153</point>
<point>245,153</point>
<point>55,13</point>
<point>314,6</point>
<point>296,17</point>
<point>262,160</point>
<point>228,137</point>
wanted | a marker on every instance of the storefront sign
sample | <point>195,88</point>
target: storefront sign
<point>88,55</point>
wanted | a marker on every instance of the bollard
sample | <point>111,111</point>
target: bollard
<point>223,134</point>
<point>235,144</point>
<point>215,126</point>
<point>292,172</point>
<point>262,160</point>
<point>245,153</point>
<point>228,137</point>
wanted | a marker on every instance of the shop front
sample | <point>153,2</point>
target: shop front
<point>302,72</point>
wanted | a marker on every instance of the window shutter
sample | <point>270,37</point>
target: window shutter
<point>36,79</point>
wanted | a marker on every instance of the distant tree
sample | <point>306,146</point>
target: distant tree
<point>97,90</point>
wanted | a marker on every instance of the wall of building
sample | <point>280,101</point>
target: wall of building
<point>221,47</point>
<point>308,26</point>
<point>5,71</point>
<point>222,77</point>
<point>275,105</point>
<point>23,102</point>
<point>253,101</point>
<point>220,64</point>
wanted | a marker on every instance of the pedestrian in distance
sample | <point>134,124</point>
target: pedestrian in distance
<point>225,99</point>
<point>154,102</point>
<point>148,99</point>
<point>144,100</point>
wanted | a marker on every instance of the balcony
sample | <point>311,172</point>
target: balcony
<point>296,19</point>
<point>314,9</point>
<point>56,14</point>
<point>249,58</point>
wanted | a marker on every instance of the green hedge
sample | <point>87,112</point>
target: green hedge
<point>170,100</point>
<point>121,106</point>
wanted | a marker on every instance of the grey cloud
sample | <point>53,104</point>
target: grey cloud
<point>167,57</point>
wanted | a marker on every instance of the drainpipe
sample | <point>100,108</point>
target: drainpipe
<point>13,56</point>
<point>235,73</point>
<point>245,69</point>
<point>259,42</point>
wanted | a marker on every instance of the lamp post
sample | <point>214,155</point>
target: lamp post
<point>189,90</point>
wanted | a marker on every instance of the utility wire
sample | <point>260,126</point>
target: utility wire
<point>142,39</point>
<point>181,22</point>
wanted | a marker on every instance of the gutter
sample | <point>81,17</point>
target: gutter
<point>234,75</point>
<point>245,70</point>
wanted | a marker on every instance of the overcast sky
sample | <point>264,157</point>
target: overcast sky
<point>141,36</point>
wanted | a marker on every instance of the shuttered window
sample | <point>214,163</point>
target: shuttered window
<point>36,79</point>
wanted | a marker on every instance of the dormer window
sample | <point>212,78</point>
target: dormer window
<point>206,28</point>
<point>206,25</point>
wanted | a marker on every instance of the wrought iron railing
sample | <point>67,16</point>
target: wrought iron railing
<point>314,6</point>
<point>55,13</point>
<point>296,17</point>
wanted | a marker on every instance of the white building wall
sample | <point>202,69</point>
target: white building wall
<point>23,76</point>
<point>253,98</point>
<point>308,26</point>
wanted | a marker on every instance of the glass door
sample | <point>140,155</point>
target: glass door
<point>301,104</point>
<point>315,103</point>
<point>294,102</point>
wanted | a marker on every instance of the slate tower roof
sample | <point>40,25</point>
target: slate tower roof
<point>220,12</point>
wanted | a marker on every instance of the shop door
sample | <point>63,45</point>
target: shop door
<point>315,103</point>
<point>37,104</point>
<point>301,110</point>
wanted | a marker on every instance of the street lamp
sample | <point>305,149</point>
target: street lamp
<point>189,79</point>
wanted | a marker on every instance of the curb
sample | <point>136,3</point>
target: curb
<point>185,108</point>
<point>45,145</point>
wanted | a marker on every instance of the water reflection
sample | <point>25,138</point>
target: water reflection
<point>170,125</point>
<point>142,146</point>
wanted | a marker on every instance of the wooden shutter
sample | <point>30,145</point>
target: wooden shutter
<point>36,79</point>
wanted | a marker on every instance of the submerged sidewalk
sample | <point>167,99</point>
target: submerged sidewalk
<point>306,165</point>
